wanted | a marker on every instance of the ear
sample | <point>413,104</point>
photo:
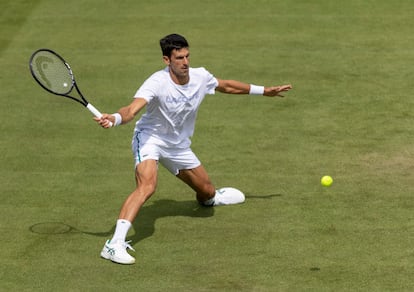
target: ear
<point>166,60</point>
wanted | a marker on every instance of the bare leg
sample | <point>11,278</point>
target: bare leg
<point>146,180</point>
<point>197,178</point>
<point>199,181</point>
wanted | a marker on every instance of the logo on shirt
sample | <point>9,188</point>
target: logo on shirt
<point>179,100</point>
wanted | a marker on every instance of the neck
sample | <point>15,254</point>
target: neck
<point>180,80</point>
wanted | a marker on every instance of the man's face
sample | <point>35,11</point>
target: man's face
<point>179,64</point>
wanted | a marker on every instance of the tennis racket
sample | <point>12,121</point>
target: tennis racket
<point>54,74</point>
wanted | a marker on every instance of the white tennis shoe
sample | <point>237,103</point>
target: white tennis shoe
<point>117,252</point>
<point>228,196</point>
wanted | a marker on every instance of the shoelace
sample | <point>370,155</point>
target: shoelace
<point>127,245</point>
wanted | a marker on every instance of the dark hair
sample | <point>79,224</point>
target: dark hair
<point>172,42</point>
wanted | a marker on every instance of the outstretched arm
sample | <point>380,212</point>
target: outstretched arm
<point>237,87</point>
<point>124,114</point>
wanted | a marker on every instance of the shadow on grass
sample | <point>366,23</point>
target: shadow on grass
<point>55,228</point>
<point>144,225</point>
<point>262,196</point>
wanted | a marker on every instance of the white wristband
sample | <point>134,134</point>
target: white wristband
<point>257,90</point>
<point>118,119</point>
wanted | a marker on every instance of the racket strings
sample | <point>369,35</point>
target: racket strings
<point>52,72</point>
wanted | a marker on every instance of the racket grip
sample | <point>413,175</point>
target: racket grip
<point>95,112</point>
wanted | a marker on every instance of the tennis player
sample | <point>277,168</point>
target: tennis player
<point>172,97</point>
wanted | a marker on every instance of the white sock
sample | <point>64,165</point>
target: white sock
<point>121,230</point>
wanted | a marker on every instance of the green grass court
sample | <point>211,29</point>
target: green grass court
<point>350,115</point>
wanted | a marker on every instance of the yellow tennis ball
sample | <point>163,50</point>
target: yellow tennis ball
<point>326,181</point>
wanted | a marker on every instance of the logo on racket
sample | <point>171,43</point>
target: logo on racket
<point>41,66</point>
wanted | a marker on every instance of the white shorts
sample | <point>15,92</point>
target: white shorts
<point>172,158</point>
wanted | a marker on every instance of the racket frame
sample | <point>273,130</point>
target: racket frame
<point>82,101</point>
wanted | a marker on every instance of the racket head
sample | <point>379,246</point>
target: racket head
<point>51,72</point>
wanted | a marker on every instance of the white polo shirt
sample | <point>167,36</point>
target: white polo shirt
<point>172,108</point>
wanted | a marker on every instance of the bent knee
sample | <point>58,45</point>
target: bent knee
<point>143,192</point>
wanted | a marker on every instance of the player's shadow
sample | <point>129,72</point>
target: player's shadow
<point>144,225</point>
<point>266,197</point>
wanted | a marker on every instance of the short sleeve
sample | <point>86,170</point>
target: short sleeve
<point>211,82</point>
<point>148,89</point>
